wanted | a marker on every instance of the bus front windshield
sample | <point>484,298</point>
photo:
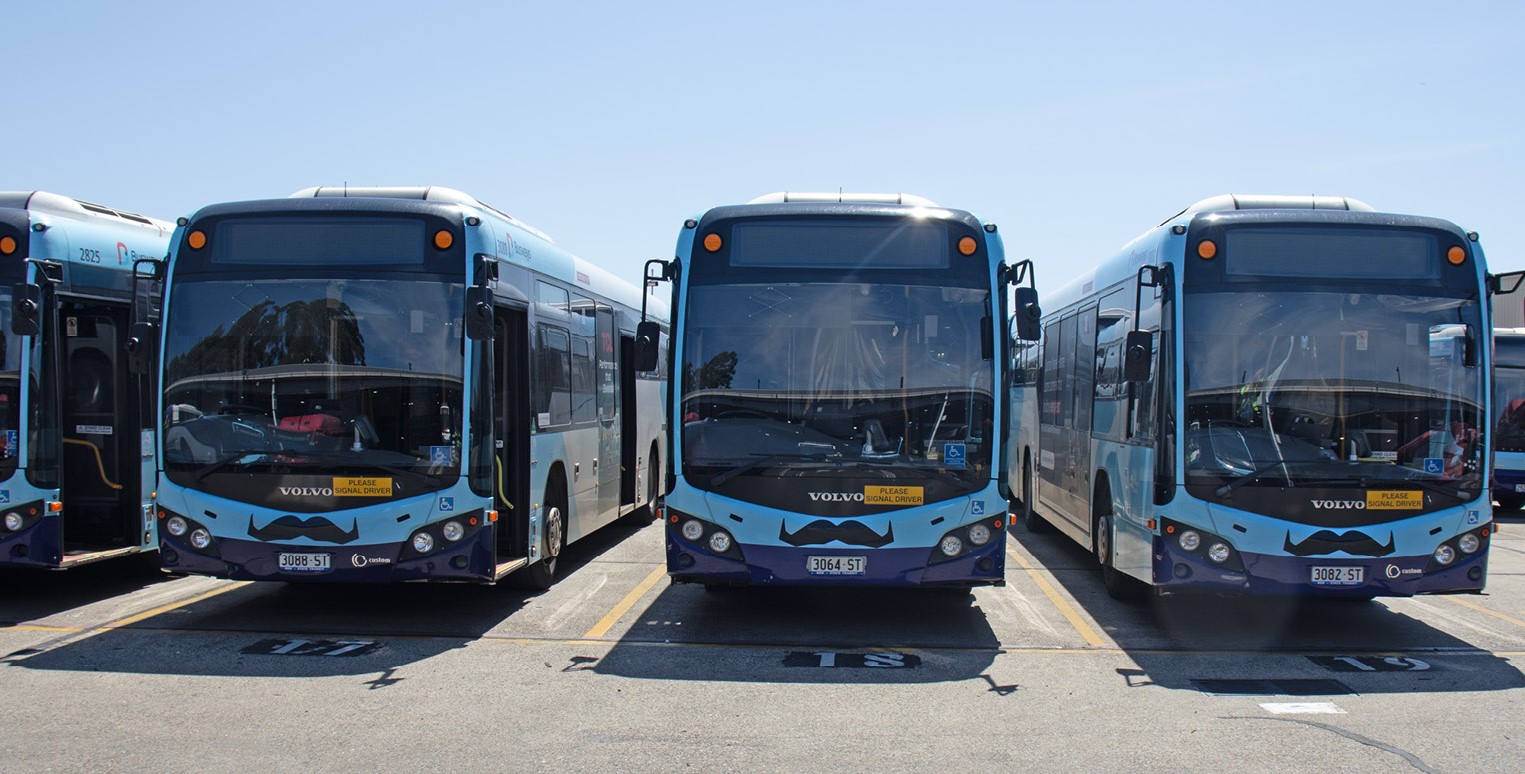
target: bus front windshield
<point>835,378</point>
<point>1333,389</point>
<point>314,376</point>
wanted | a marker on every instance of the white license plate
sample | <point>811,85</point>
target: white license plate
<point>836,565</point>
<point>1339,576</point>
<point>304,562</point>
<point>1518,488</point>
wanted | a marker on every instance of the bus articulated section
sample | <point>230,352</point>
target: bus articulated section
<point>1277,395</point>
<point>834,381</point>
<point>375,385</point>
<point>76,455</point>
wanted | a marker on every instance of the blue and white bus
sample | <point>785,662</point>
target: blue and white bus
<point>1509,404</point>
<point>76,458</point>
<point>1269,394</point>
<point>835,364</point>
<point>389,384</point>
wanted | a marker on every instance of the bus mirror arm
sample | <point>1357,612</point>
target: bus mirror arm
<point>140,347</point>
<point>664,274</point>
<point>478,313</point>
<point>1496,282</point>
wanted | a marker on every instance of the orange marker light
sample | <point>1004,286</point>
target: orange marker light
<point>492,516</point>
<point>1206,249</point>
<point>1149,524</point>
<point>712,242</point>
<point>1456,255</point>
<point>999,524</point>
<point>443,239</point>
<point>197,240</point>
<point>7,245</point>
<point>1170,530</point>
<point>54,506</point>
<point>967,245</point>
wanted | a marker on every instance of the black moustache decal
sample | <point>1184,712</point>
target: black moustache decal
<point>316,527</point>
<point>849,532</point>
<point>1325,542</point>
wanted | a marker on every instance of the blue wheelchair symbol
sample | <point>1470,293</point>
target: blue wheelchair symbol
<point>447,504</point>
<point>953,455</point>
<point>978,508</point>
<point>5,496</point>
<point>439,455</point>
<point>1434,465</point>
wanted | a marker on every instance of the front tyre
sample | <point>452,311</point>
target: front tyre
<point>553,538</point>
<point>1119,584</point>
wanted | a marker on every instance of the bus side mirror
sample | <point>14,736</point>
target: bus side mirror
<point>647,334</point>
<point>140,347</point>
<point>1027,313</point>
<point>1138,350</point>
<point>478,313</point>
<point>26,306</point>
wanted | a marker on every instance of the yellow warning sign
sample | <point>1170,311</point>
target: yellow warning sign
<point>1395,500</point>
<point>892,495</point>
<point>362,487</point>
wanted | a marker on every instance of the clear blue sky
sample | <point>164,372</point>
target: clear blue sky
<point>1074,126</point>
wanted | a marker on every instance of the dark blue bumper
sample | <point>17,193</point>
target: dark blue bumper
<point>1391,576</point>
<point>39,544</point>
<point>472,559</point>
<point>687,562</point>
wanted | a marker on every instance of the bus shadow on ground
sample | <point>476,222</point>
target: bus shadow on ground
<point>1190,641</point>
<point>806,635</point>
<point>32,595</point>
<point>305,630</point>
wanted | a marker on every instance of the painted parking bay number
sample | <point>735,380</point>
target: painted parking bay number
<point>836,660</point>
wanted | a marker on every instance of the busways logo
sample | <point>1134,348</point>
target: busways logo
<point>836,497</point>
<point>1339,505</point>
<point>306,491</point>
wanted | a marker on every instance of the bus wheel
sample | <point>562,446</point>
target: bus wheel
<point>553,536</point>
<point>1030,518</point>
<point>1119,584</point>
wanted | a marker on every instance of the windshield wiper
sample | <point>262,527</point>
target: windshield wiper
<point>345,458</point>
<point>210,468</point>
<point>1396,484</point>
<point>1254,475</point>
<point>764,459</point>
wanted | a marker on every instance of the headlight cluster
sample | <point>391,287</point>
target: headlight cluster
<point>963,540</point>
<point>442,534</point>
<point>1201,543</point>
<point>1463,546</point>
<point>711,536</point>
<point>19,517</point>
<point>187,531</point>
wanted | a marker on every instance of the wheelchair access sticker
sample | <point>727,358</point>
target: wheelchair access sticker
<point>953,455</point>
<point>5,496</point>
<point>447,504</point>
<point>1434,465</point>
<point>977,507</point>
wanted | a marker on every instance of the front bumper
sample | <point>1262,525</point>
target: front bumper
<point>688,562</point>
<point>472,559</point>
<point>1388,576</point>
